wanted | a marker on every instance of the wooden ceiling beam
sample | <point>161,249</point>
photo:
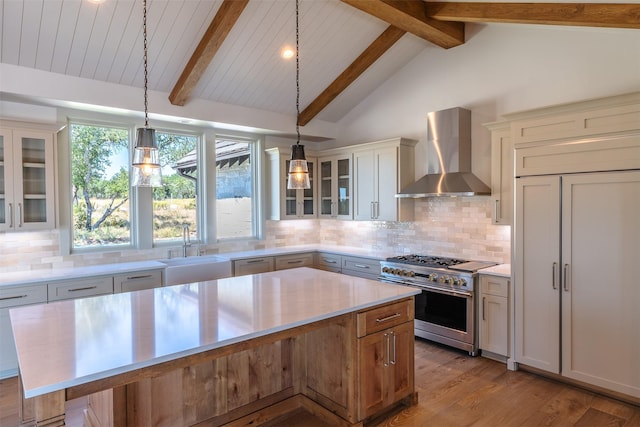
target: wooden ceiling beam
<point>411,16</point>
<point>615,15</point>
<point>225,19</point>
<point>374,51</point>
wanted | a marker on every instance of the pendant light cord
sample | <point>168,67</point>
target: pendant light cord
<point>144,37</point>
<point>297,74</point>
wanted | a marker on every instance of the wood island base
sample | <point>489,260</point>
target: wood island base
<point>345,370</point>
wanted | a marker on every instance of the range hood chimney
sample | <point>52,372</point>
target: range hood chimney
<point>448,158</point>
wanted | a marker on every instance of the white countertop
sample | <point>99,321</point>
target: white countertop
<point>46,275</point>
<point>68,343</point>
<point>503,270</point>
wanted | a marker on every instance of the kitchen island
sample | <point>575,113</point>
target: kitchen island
<point>242,350</point>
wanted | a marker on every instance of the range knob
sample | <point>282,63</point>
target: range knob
<point>403,272</point>
<point>385,269</point>
<point>411,274</point>
<point>462,282</point>
<point>445,279</point>
<point>433,277</point>
<point>456,282</point>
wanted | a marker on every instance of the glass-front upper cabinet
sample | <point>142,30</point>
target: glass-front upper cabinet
<point>335,187</point>
<point>26,180</point>
<point>300,203</point>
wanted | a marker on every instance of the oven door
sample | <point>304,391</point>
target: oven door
<point>446,317</point>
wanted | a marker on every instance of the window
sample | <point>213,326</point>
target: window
<point>235,210</point>
<point>175,203</point>
<point>100,185</point>
<point>209,183</point>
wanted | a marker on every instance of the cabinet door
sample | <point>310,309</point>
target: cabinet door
<point>299,203</point>
<point>33,185</point>
<point>600,271</point>
<point>364,185</point>
<point>386,368</point>
<point>537,295</point>
<point>494,324</point>
<point>335,187</point>
<point>386,184</point>
<point>7,204</point>
<point>328,262</point>
<point>502,176</point>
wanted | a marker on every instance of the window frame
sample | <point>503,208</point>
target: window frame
<point>141,198</point>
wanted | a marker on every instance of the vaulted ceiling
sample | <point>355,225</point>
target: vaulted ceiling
<point>228,51</point>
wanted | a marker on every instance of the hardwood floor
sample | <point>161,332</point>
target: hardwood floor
<point>453,390</point>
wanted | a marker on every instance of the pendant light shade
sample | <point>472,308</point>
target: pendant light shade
<point>146,171</point>
<point>146,160</point>
<point>298,169</point>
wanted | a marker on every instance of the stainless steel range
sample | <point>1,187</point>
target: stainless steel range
<point>445,311</point>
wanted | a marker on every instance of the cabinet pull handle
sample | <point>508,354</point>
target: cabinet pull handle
<point>360,265</point>
<point>373,211</point>
<point>298,261</point>
<point>384,319</point>
<point>13,297</point>
<point>86,288</point>
<point>553,275</point>
<point>253,261</point>
<point>19,214</point>
<point>496,209</point>
<point>393,361</point>
<point>386,360</point>
<point>329,261</point>
<point>146,276</point>
<point>484,301</point>
<point>377,209</point>
<point>566,278</point>
<point>10,215</point>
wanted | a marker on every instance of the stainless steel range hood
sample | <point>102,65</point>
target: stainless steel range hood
<point>448,158</point>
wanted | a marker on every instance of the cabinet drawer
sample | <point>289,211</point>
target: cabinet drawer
<point>242,267</point>
<point>363,267</point>
<point>329,262</point>
<point>79,288</point>
<point>494,285</point>
<point>386,316</point>
<point>15,296</point>
<point>292,261</point>
<point>137,281</point>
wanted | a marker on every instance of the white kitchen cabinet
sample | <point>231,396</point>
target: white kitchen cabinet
<point>10,297</point>
<point>137,281</point>
<point>285,203</point>
<point>255,265</point>
<point>27,199</point>
<point>283,262</point>
<point>494,316</point>
<point>577,245</point>
<point>334,182</point>
<point>502,174</point>
<point>380,171</point>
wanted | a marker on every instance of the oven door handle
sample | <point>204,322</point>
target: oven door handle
<point>428,288</point>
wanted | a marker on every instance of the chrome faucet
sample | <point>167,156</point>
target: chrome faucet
<point>186,240</point>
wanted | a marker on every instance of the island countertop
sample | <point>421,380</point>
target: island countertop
<point>73,342</point>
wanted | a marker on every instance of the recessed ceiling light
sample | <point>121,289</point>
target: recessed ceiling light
<point>287,52</point>
<point>97,1</point>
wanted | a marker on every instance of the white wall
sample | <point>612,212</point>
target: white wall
<point>502,68</point>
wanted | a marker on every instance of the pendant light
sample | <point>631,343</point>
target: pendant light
<point>298,168</point>
<point>146,159</point>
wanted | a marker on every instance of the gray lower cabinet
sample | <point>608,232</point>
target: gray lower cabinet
<point>361,267</point>
<point>328,262</point>
<point>80,288</point>
<point>137,281</point>
<point>11,297</point>
<point>242,267</point>
<point>283,262</point>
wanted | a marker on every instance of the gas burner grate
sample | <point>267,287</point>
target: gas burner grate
<point>427,261</point>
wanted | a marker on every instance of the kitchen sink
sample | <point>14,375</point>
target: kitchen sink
<point>196,269</point>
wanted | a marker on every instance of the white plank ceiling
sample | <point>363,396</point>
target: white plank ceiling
<point>103,41</point>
